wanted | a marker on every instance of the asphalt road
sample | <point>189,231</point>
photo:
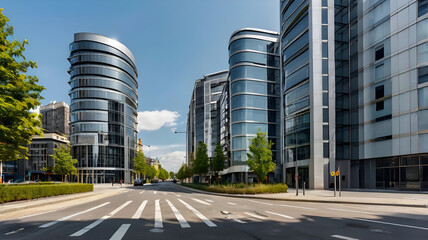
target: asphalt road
<point>168,211</point>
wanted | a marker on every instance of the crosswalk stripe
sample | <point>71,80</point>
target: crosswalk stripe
<point>180,218</point>
<point>200,201</point>
<point>140,210</point>
<point>255,216</point>
<point>238,220</point>
<point>231,203</point>
<point>158,215</point>
<point>211,201</point>
<point>73,215</point>
<point>94,224</point>
<point>142,192</point>
<point>118,235</point>
<point>197,213</point>
<point>281,215</point>
<point>155,192</point>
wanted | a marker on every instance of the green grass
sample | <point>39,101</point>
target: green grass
<point>240,188</point>
<point>16,192</point>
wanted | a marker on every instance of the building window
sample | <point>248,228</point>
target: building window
<point>324,32</point>
<point>422,7</point>
<point>423,74</point>
<point>379,53</point>
<point>379,72</point>
<point>379,93</point>
<point>324,16</point>
<point>326,151</point>
<point>325,83</point>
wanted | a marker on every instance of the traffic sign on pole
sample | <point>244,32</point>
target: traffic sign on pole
<point>337,173</point>
<point>332,173</point>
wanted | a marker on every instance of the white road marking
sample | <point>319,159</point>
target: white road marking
<point>155,192</point>
<point>211,201</point>
<point>343,237</point>
<point>70,216</point>
<point>37,214</point>
<point>140,210</point>
<point>261,202</point>
<point>297,207</point>
<point>281,215</point>
<point>180,218</point>
<point>125,191</point>
<point>343,210</point>
<point>238,220</point>
<point>94,224</point>
<point>197,213</point>
<point>255,216</point>
<point>158,215</point>
<point>231,203</point>
<point>393,224</point>
<point>142,192</point>
<point>200,201</point>
<point>177,195</point>
<point>14,231</point>
<point>118,235</point>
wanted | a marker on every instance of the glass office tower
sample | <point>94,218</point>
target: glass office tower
<point>103,126</point>
<point>254,96</point>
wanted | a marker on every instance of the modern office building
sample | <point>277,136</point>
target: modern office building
<point>224,109</point>
<point>203,120</point>
<point>103,132</point>
<point>355,76</point>
<point>56,118</point>
<point>254,97</point>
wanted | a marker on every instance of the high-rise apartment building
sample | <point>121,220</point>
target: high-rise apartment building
<point>103,81</point>
<point>56,118</point>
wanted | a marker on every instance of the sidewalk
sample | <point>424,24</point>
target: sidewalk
<point>399,199</point>
<point>100,191</point>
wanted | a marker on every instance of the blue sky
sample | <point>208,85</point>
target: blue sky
<point>174,43</point>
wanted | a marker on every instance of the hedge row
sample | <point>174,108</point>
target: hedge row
<point>9,193</point>
<point>240,188</point>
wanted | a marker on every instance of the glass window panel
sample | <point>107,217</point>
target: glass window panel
<point>241,142</point>
<point>379,72</point>
<point>248,128</point>
<point>324,16</point>
<point>250,44</point>
<point>258,58</point>
<point>289,18</point>
<point>298,28</point>
<point>325,99</point>
<point>325,83</point>
<point>296,106</point>
<point>325,132</point>
<point>423,53</point>
<point>254,87</point>
<point>325,114</point>
<point>297,93</point>
<point>324,32</point>
<point>303,153</point>
<point>422,7</point>
<point>297,123</point>
<point>423,97</point>
<point>379,54</point>
<point>253,115</point>
<point>326,152</point>
<point>253,101</point>
<point>290,155</point>
<point>297,77</point>
<point>423,74</point>
<point>254,72</point>
<point>324,66</point>
<point>325,49</point>
<point>423,119</point>
<point>239,157</point>
<point>422,29</point>
<point>295,46</point>
<point>297,62</point>
<point>379,92</point>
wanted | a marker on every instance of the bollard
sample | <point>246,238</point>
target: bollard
<point>304,184</point>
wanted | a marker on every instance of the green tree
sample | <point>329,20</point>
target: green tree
<point>151,172</point>
<point>171,175</point>
<point>218,160</point>
<point>260,156</point>
<point>19,94</point>
<point>64,162</point>
<point>201,163</point>
<point>180,174</point>
<point>140,164</point>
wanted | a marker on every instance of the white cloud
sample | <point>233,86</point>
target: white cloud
<point>154,120</point>
<point>172,161</point>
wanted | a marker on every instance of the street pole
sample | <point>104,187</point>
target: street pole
<point>1,172</point>
<point>297,179</point>
<point>340,184</point>
<point>335,184</point>
<point>304,183</point>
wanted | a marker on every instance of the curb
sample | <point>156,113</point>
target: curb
<point>306,200</point>
<point>43,203</point>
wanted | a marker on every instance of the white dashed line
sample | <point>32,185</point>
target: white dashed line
<point>393,224</point>
<point>261,202</point>
<point>211,201</point>
<point>142,192</point>
<point>37,214</point>
<point>281,215</point>
<point>231,203</point>
<point>70,216</point>
<point>155,192</point>
<point>118,235</point>
<point>255,216</point>
<point>238,220</point>
<point>297,207</point>
<point>343,210</point>
<point>200,201</point>
<point>180,218</point>
<point>13,232</point>
<point>197,213</point>
<point>140,210</point>
<point>158,215</point>
<point>94,224</point>
<point>343,237</point>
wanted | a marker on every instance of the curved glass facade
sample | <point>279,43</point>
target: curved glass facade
<point>103,118</point>
<point>254,89</point>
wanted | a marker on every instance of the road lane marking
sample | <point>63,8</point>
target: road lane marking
<point>118,235</point>
<point>393,224</point>
<point>211,201</point>
<point>140,210</point>
<point>231,203</point>
<point>180,218</point>
<point>343,237</point>
<point>281,215</point>
<point>158,215</point>
<point>238,220</point>
<point>297,207</point>
<point>94,224</point>
<point>261,202</point>
<point>142,192</point>
<point>70,216</point>
<point>177,195</point>
<point>343,210</point>
<point>13,232</point>
<point>200,201</point>
<point>197,213</point>
<point>125,191</point>
<point>155,192</point>
<point>37,214</point>
<point>255,216</point>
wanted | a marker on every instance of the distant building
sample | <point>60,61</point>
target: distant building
<point>56,118</point>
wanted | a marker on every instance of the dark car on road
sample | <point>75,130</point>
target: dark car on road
<point>138,182</point>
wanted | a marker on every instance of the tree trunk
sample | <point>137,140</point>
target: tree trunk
<point>1,172</point>
<point>62,178</point>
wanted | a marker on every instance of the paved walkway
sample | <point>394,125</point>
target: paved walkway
<point>402,199</point>
<point>100,191</point>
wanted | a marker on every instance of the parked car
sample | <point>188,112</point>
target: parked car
<point>138,182</point>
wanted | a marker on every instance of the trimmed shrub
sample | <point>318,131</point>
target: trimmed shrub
<point>240,188</point>
<point>18,192</point>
